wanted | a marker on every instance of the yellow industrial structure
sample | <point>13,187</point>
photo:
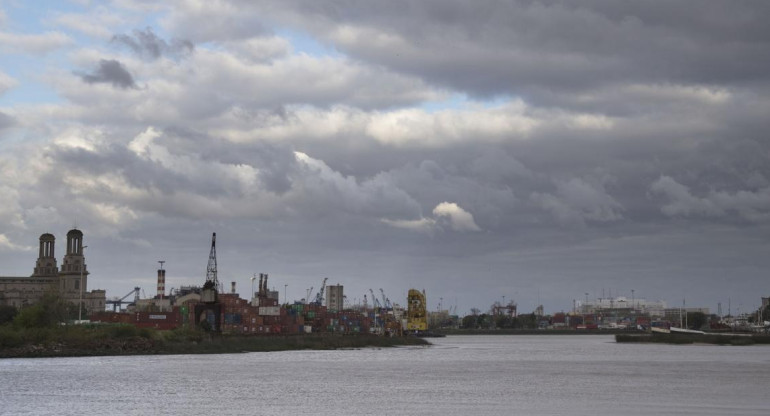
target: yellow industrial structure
<point>416,314</point>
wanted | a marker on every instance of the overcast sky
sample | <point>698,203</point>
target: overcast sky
<point>532,150</point>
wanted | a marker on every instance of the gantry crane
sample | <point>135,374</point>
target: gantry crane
<point>117,303</point>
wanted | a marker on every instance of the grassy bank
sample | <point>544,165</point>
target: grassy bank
<point>72,341</point>
<point>716,339</point>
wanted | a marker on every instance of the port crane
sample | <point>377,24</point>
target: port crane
<point>375,302</point>
<point>117,303</point>
<point>319,297</point>
<point>385,301</point>
<point>211,268</point>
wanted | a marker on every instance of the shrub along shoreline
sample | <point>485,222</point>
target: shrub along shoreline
<point>122,339</point>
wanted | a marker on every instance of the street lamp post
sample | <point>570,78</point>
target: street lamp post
<point>82,266</point>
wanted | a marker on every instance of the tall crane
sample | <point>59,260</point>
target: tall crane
<point>375,302</point>
<point>319,297</point>
<point>211,269</point>
<point>385,301</point>
<point>211,288</point>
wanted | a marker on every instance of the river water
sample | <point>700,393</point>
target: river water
<point>458,375</point>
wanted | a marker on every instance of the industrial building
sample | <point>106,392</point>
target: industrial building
<point>334,298</point>
<point>70,282</point>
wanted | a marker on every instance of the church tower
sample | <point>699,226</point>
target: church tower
<point>73,268</point>
<point>46,260</point>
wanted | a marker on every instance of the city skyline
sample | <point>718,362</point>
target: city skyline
<point>532,150</point>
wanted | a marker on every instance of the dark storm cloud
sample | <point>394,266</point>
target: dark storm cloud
<point>275,161</point>
<point>138,173</point>
<point>147,44</point>
<point>112,72</point>
<point>541,48</point>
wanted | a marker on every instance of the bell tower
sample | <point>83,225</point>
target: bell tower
<point>46,260</point>
<point>73,272</point>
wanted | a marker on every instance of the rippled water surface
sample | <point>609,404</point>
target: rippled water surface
<point>459,375</point>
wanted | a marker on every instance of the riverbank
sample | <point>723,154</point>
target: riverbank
<point>508,331</point>
<point>715,339</point>
<point>75,341</point>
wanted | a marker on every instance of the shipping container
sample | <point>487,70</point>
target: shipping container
<point>269,310</point>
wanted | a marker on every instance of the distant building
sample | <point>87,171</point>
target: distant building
<point>70,282</point>
<point>676,315</point>
<point>509,310</point>
<point>623,304</point>
<point>334,298</point>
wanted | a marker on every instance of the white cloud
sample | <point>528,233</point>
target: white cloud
<point>446,215</point>
<point>415,127</point>
<point>260,49</point>
<point>79,137</point>
<point>422,225</point>
<point>213,20</point>
<point>6,82</point>
<point>459,219</point>
<point>99,23</point>
<point>223,92</point>
<point>36,44</point>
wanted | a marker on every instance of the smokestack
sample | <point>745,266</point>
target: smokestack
<point>265,285</point>
<point>232,287</point>
<point>259,289</point>
<point>161,282</point>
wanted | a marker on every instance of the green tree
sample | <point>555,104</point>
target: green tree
<point>484,321</point>
<point>7,313</point>
<point>528,321</point>
<point>504,321</point>
<point>49,311</point>
<point>469,321</point>
<point>696,320</point>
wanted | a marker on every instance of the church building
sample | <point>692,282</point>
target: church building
<point>70,282</point>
